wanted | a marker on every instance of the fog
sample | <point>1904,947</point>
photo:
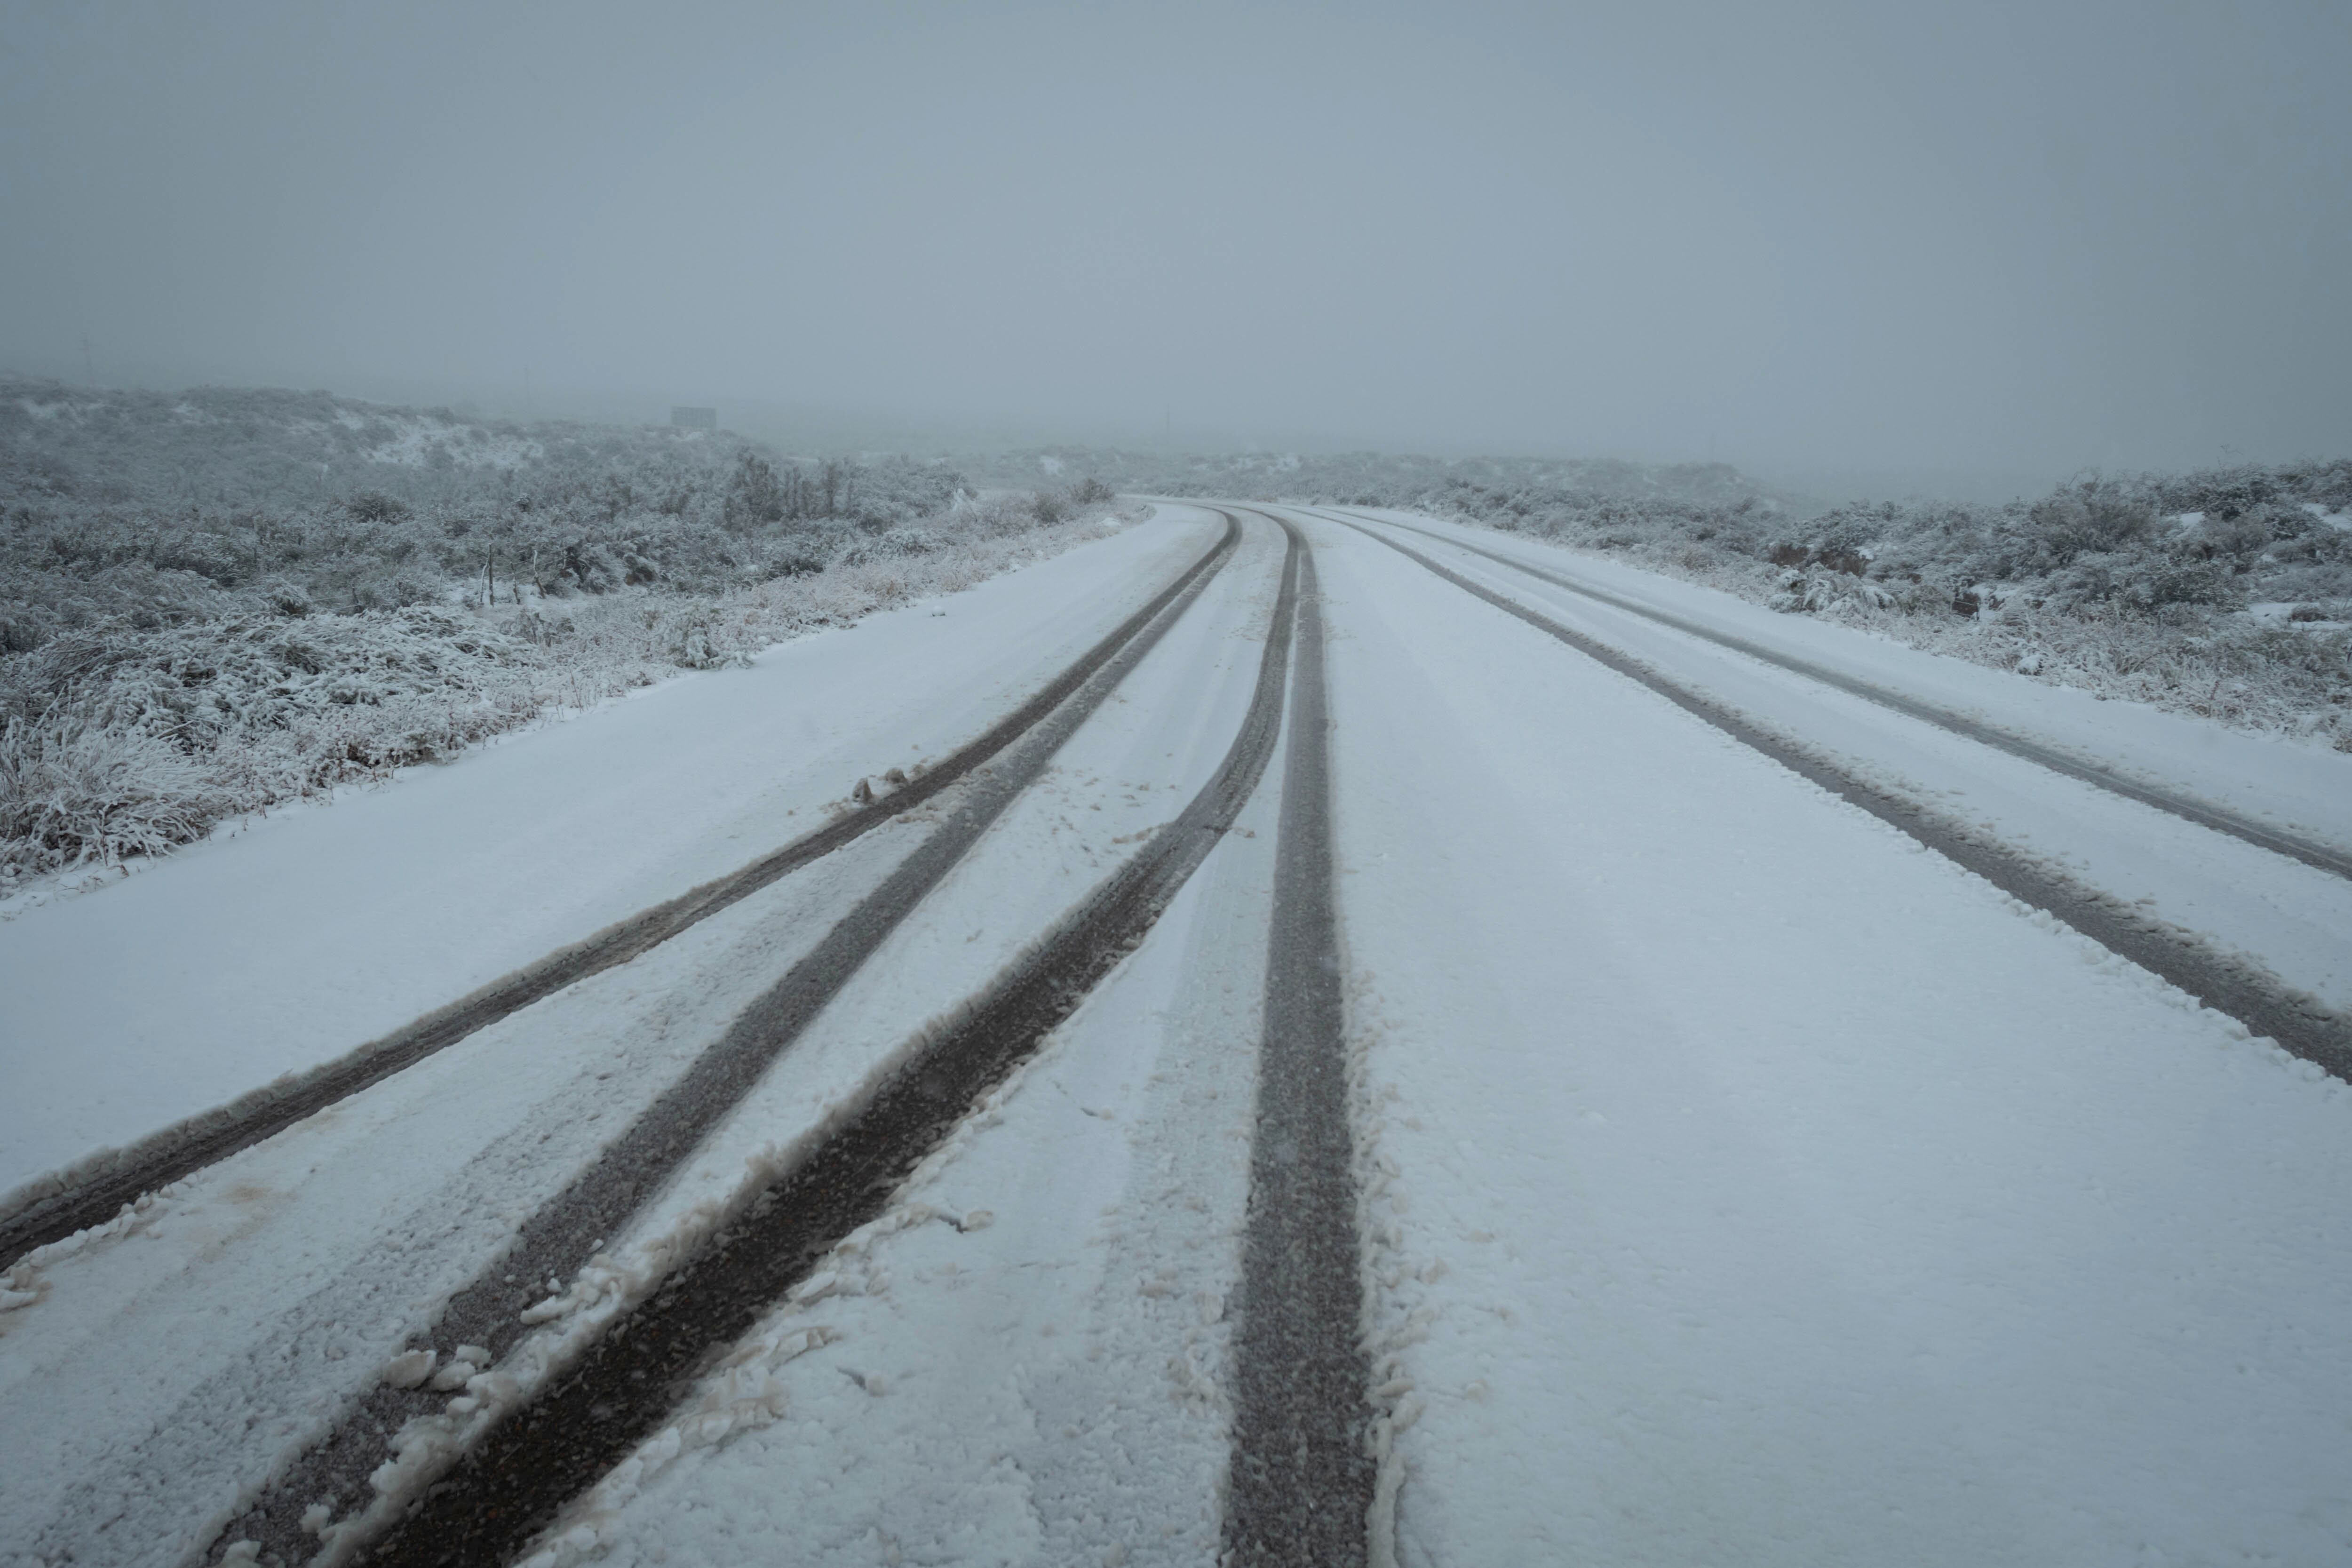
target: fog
<point>2002,240</point>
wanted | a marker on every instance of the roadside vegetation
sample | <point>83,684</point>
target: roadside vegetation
<point>214,602</point>
<point>2225,593</point>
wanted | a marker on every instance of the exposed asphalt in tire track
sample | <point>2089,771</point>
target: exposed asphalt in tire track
<point>565,1232</point>
<point>622,1387</point>
<point>181,1150</point>
<point>1300,1479</point>
<point>2298,1025</point>
<point>2321,857</point>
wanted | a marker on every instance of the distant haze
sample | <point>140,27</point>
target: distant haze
<point>1988,239</point>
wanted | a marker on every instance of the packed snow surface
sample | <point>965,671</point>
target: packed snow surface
<point>332,1245</point>
<point>2291,782</point>
<point>1742,1181</point>
<point>2285,916</point>
<point>1757,1186</point>
<point>319,930</point>
<point>1025,1362</point>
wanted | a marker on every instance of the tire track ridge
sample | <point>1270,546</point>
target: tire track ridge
<point>2319,1037</point>
<point>2278,841</point>
<point>616,1394</point>
<point>563,1234</point>
<point>53,1207</point>
<point>1299,1483</point>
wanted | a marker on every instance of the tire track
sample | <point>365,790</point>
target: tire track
<point>1299,1482</point>
<point>95,1192</point>
<point>2298,1025</point>
<point>590,1416</point>
<point>566,1231</point>
<point>2321,857</point>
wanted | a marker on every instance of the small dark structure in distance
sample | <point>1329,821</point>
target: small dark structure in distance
<point>694,418</point>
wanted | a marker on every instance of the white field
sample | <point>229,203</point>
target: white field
<point>1744,1183</point>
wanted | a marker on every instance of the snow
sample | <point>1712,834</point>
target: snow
<point>2288,781</point>
<point>315,932</point>
<point>2282,915</point>
<point>1043,1388</point>
<point>415,438</point>
<point>1741,1182</point>
<point>330,1246</point>
<point>408,440</point>
<point>220,1325</point>
<point>1760,1187</point>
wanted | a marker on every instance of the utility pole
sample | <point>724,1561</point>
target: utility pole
<point>88,372</point>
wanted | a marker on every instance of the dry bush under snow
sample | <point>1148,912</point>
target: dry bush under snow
<point>116,742</point>
<point>2226,594</point>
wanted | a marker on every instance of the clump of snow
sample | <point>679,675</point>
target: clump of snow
<point>464,1364</point>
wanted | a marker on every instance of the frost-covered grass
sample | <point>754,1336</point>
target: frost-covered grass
<point>215,601</point>
<point>117,741</point>
<point>146,509</point>
<point>2226,594</point>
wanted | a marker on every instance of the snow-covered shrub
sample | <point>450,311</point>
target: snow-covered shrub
<point>897,544</point>
<point>162,509</point>
<point>125,739</point>
<point>213,601</point>
<point>2137,587</point>
<point>2090,516</point>
<point>74,790</point>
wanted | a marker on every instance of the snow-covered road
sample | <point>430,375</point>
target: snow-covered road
<point>1736,1177</point>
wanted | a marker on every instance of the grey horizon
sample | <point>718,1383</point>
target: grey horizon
<point>1995,245</point>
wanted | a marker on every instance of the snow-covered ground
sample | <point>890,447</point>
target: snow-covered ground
<point>1760,1187</point>
<point>1743,1182</point>
<point>315,931</point>
<point>2289,917</point>
<point>332,1246</point>
<point>2291,782</point>
<point>1045,1386</point>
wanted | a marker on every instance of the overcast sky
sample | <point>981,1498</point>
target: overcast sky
<point>2000,236</point>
